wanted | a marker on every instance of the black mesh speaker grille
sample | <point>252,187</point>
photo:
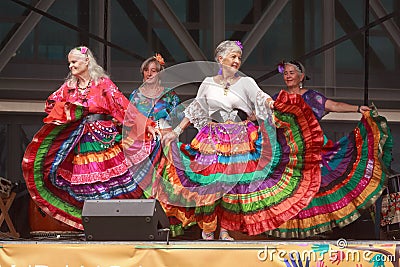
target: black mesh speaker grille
<point>124,220</point>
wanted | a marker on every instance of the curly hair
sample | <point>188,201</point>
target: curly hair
<point>226,47</point>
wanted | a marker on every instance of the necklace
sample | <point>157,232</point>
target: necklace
<point>83,92</point>
<point>226,84</point>
<point>150,92</point>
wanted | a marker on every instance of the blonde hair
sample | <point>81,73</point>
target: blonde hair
<point>96,72</point>
<point>226,47</point>
<point>146,63</point>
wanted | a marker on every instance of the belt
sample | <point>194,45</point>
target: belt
<point>98,117</point>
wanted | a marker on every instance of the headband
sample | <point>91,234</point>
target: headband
<point>297,64</point>
<point>281,67</point>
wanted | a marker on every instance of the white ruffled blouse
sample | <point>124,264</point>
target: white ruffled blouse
<point>211,102</point>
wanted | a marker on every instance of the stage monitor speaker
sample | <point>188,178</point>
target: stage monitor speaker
<point>124,220</point>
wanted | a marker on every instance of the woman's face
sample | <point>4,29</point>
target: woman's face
<point>231,61</point>
<point>77,65</point>
<point>150,72</point>
<point>291,76</point>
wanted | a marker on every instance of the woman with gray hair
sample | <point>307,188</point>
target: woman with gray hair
<point>236,174</point>
<point>294,76</point>
<point>354,169</point>
<point>78,153</point>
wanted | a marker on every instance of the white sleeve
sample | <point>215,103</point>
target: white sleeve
<point>258,98</point>
<point>197,111</point>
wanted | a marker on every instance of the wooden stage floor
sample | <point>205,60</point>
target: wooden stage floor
<point>306,253</point>
<point>69,249</point>
<point>353,246</point>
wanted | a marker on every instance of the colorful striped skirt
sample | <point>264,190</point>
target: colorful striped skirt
<point>242,176</point>
<point>354,173</point>
<point>81,159</point>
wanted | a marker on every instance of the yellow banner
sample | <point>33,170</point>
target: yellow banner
<point>209,254</point>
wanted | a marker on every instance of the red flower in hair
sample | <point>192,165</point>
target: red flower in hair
<point>160,59</point>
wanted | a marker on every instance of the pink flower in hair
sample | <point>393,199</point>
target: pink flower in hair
<point>83,49</point>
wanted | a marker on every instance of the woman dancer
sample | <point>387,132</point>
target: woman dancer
<point>233,173</point>
<point>160,105</point>
<point>153,100</point>
<point>77,154</point>
<point>354,169</point>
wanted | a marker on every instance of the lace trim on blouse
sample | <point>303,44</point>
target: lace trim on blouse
<point>197,115</point>
<point>262,111</point>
